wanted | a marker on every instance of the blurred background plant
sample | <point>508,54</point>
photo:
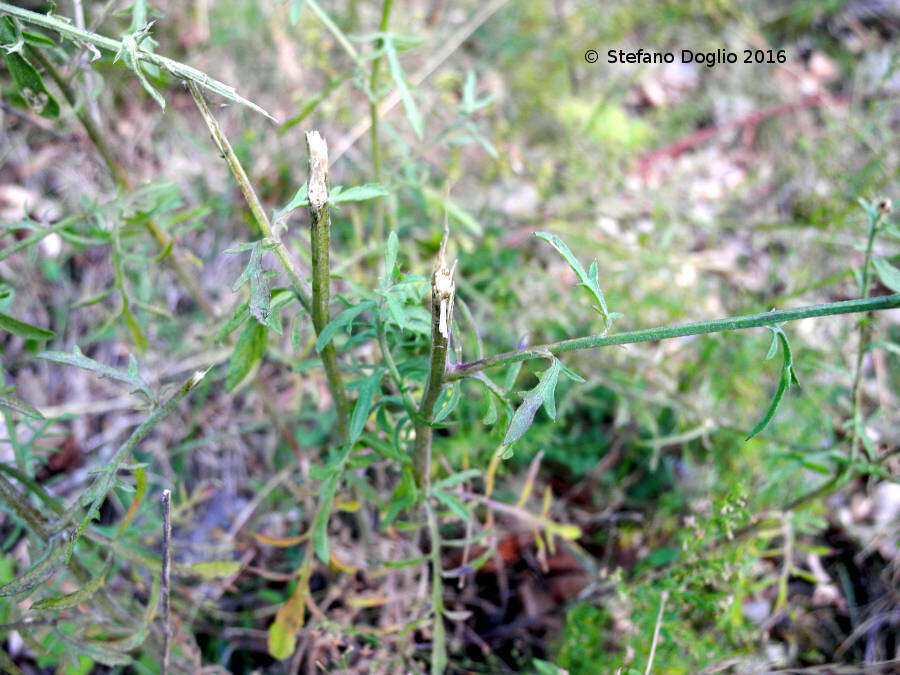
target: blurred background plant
<point>638,527</point>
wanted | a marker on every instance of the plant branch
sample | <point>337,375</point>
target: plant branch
<point>301,288</point>
<point>178,69</point>
<point>120,176</point>
<point>442,293</point>
<point>461,370</point>
<point>164,587</point>
<point>321,282</point>
<point>438,631</point>
<point>865,334</point>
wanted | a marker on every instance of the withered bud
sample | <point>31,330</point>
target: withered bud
<point>885,206</point>
<point>317,187</point>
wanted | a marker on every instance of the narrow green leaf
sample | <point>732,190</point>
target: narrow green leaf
<point>96,651</point>
<point>44,568</point>
<point>785,379</point>
<point>137,333</point>
<point>341,321</point>
<point>215,569</point>
<point>390,256</point>
<point>16,404</point>
<point>24,330</point>
<point>357,193</point>
<point>454,210</point>
<point>457,478</point>
<point>320,531</point>
<point>446,405</point>
<point>240,315</point>
<point>248,352</point>
<point>409,104</point>
<point>452,502</point>
<point>294,15</point>
<point>889,275</point>
<point>367,388</point>
<point>72,599</point>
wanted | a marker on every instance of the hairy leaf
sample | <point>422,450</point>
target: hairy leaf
<point>44,568</point>
<point>542,394</point>
<point>14,403</point>
<point>79,360</point>
<point>72,599</point>
<point>587,279</point>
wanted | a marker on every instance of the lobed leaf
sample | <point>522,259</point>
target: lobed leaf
<point>785,379</point>
<point>588,280</point>
<point>26,78</point>
<point>79,360</point>
<point>542,394</point>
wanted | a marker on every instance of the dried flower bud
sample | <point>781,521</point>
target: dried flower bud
<point>885,206</point>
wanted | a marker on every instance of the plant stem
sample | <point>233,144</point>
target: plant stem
<point>164,586</point>
<point>442,292</point>
<point>120,176</point>
<point>461,370</point>
<point>438,632</point>
<point>865,334</point>
<point>378,217</point>
<point>301,288</point>
<point>321,271</point>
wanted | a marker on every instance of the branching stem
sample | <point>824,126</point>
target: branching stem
<point>120,176</point>
<point>301,288</point>
<point>458,371</point>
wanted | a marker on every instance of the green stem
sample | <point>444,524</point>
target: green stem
<point>438,632</point>
<point>461,370</point>
<point>301,288</point>
<point>865,334</point>
<point>321,272</point>
<point>378,219</point>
